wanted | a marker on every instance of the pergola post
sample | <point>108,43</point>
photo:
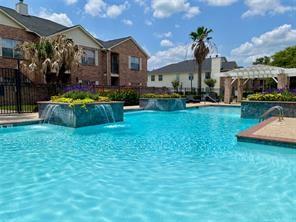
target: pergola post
<point>227,90</point>
<point>240,89</point>
<point>282,81</point>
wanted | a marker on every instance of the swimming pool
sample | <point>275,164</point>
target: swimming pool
<point>156,166</point>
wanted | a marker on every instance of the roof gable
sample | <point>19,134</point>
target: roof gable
<point>115,42</point>
<point>82,30</point>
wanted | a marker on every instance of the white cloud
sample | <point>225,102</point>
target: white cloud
<point>95,7</point>
<point>265,45</point>
<point>171,55</point>
<point>166,43</point>
<point>166,8</point>
<point>144,4</point>
<point>102,9</point>
<point>127,22</point>
<point>115,10</point>
<point>191,12</point>
<point>61,18</point>
<point>263,7</point>
<point>71,2</point>
<point>164,35</point>
<point>148,22</point>
<point>220,2</point>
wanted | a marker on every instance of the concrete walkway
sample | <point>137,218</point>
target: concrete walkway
<point>19,119</point>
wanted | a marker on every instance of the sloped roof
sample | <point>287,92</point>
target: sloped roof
<point>227,66</point>
<point>110,43</point>
<point>40,26</point>
<point>190,66</point>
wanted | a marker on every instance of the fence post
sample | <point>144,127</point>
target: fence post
<point>18,88</point>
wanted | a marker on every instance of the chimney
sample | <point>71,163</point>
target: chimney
<point>22,8</point>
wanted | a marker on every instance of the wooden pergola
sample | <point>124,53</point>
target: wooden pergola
<point>242,75</point>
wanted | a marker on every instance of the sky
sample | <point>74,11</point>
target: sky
<point>243,30</point>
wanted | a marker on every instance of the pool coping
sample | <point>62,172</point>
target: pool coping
<point>250,137</point>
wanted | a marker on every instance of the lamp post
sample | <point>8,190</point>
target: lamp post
<point>191,79</point>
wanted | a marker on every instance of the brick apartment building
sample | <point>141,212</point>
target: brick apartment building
<point>118,62</point>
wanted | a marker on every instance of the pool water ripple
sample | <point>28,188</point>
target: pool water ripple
<point>156,166</point>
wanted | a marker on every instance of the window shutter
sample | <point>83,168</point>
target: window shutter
<point>96,57</point>
<point>129,62</point>
<point>140,64</point>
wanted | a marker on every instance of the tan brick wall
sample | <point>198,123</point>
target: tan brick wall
<point>127,76</point>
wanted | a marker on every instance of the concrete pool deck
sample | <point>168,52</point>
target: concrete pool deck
<point>7,120</point>
<point>272,131</point>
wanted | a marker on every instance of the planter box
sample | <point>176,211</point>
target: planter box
<point>170,104</point>
<point>78,116</point>
<point>254,109</point>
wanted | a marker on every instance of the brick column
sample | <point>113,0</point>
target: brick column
<point>282,81</point>
<point>227,90</point>
<point>240,89</point>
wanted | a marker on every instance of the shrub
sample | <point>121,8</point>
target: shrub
<point>161,96</point>
<point>275,96</point>
<point>129,96</point>
<point>81,95</point>
<point>210,82</point>
<point>79,98</point>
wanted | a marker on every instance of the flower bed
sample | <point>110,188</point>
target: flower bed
<point>274,96</point>
<point>259,103</point>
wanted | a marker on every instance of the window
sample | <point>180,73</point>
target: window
<point>159,77</point>
<point>152,78</point>
<point>114,63</point>
<point>134,63</point>
<point>88,57</point>
<point>207,75</point>
<point>9,48</point>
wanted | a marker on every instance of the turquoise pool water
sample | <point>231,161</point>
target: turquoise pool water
<point>156,166</point>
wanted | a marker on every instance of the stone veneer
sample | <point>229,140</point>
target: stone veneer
<point>254,109</point>
<point>78,116</point>
<point>170,104</point>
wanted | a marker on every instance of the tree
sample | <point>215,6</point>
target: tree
<point>176,84</point>
<point>200,47</point>
<point>285,58</point>
<point>210,83</point>
<point>51,56</point>
<point>262,61</point>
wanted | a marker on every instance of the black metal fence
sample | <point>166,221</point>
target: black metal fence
<point>19,95</point>
<point>17,92</point>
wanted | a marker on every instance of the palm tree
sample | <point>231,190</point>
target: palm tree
<point>200,47</point>
<point>51,56</point>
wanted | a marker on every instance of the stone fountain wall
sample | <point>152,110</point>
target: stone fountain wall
<point>170,104</point>
<point>79,116</point>
<point>254,109</point>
